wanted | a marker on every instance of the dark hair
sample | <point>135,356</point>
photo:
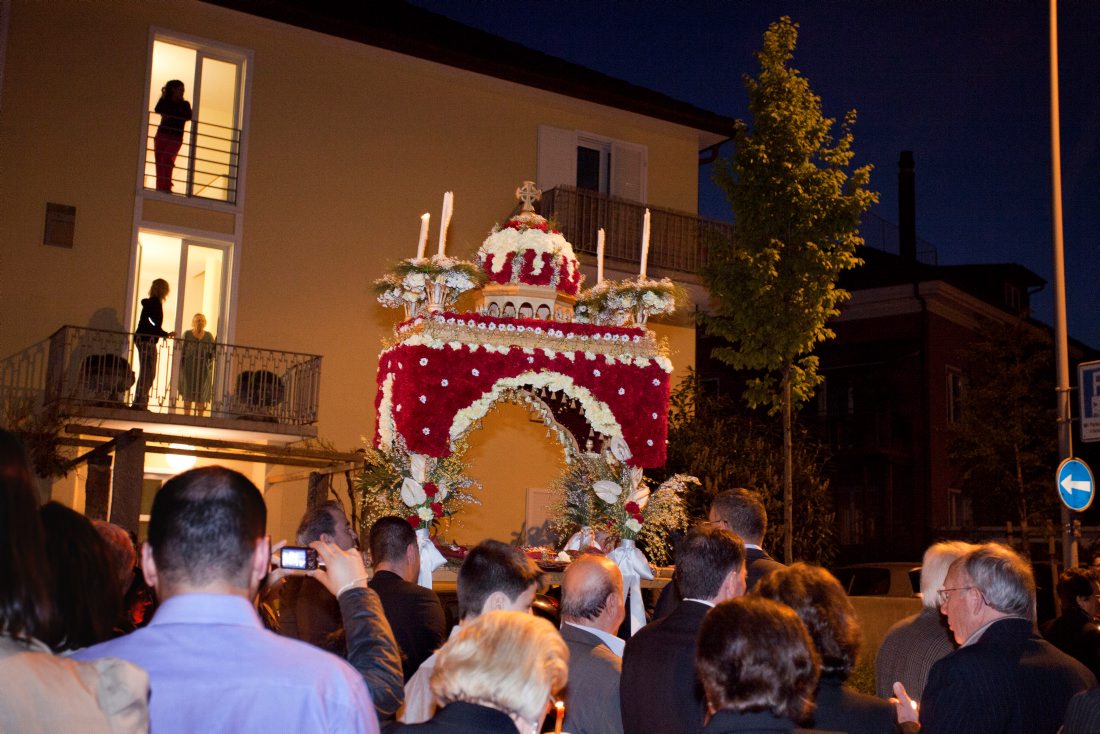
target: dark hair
<point>1075,582</point>
<point>743,511</point>
<point>819,600</point>
<point>753,654</point>
<point>705,557</point>
<point>169,87</point>
<point>25,607</point>
<point>204,526</point>
<point>319,520</point>
<point>493,566</point>
<point>84,586</point>
<point>389,537</point>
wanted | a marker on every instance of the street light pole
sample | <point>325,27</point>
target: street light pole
<point>1061,341</point>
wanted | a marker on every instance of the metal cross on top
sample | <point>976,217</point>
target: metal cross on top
<point>528,194</point>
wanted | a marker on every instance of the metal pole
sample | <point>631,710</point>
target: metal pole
<point>1065,427</point>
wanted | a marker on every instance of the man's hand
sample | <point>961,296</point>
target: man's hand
<point>907,708</point>
<point>344,569</point>
<point>277,574</point>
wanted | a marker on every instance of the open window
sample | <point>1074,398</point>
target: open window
<point>592,162</point>
<point>207,162</point>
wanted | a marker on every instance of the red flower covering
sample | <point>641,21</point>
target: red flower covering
<point>632,508</point>
<point>437,509</point>
<point>540,226</point>
<point>413,520</point>
<point>430,489</point>
<point>567,283</point>
<point>641,410</point>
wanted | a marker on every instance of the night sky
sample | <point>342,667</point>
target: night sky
<point>963,84</point>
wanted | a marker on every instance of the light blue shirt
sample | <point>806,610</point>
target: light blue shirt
<point>614,644</point>
<point>214,668</point>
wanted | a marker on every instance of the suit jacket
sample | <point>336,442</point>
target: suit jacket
<point>592,696</point>
<point>309,612</point>
<point>909,650</point>
<point>1009,681</point>
<point>756,722</point>
<point>1083,713</point>
<point>659,691</point>
<point>415,615</point>
<point>461,718</point>
<point>840,708</point>
<point>758,564</point>
<point>1076,634</point>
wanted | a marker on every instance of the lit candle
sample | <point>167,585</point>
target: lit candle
<point>559,716</point>
<point>645,242</point>
<point>599,255</point>
<point>423,242</point>
<point>445,219</point>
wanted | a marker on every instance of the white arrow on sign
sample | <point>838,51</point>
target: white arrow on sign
<point>1071,486</point>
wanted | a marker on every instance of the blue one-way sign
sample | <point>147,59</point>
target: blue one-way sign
<point>1075,485</point>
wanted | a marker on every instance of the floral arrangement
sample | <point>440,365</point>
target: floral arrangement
<point>615,500</point>
<point>619,302</point>
<point>530,250</point>
<point>434,282</point>
<point>421,489</point>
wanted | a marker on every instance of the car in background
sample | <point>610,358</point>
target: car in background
<point>891,578</point>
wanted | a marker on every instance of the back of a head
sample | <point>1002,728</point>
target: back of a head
<point>204,527</point>
<point>1003,577</point>
<point>317,521</point>
<point>389,539</point>
<point>937,559</point>
<point>754,654</point>
<point>820,602</point>
<point>121,551</point>
<point>744,513</point>
<point>493,566</point>
<point>1073,583</point>
<point>25,607</point>
<point>84,586</point>
<point>587,583</point>
<point>510,661</point>
<point>704,558</point>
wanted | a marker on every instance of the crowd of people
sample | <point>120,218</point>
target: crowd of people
<point>222,639</point>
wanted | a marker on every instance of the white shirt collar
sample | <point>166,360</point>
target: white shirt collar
<point>703,601</point>
<point>754,546</point>
<point>977,634</point>
<point>615,644</point>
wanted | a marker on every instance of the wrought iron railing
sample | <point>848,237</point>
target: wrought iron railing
<point>78,367</point>
<point>678,241</point>
<point>206,165</point>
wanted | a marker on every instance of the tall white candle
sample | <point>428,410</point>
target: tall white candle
<point>422,243</point>
<point>445,219</point>
<point>599,255</point>
<point>645,242</point>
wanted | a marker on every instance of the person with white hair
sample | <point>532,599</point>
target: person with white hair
<point>1003,677</point>
<point>912,646</point>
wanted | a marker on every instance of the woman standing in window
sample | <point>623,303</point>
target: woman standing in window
<point>174,111</point>
<point>146,336</point>
<point>198,355</point>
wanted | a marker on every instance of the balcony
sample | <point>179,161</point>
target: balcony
<point>207,164</point>
<point>679,242</point>
<point>92,374</point>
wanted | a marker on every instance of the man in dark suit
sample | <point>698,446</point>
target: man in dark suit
<point>592,608</point>
<point>742,512</point>
<point>659,690</point>
<point>414,612</point>
<point>1076,632</point>
<point>1004,677</point>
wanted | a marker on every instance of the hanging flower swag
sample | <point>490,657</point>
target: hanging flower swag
<point>600,500</point>
<point>435,283</point>
<point>619,302</point>
<point>421,489</point>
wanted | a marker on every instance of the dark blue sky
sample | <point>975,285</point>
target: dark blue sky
<point>963,84</point>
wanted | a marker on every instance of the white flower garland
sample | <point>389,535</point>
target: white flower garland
<point>387,428</point>
<point>504,242</point>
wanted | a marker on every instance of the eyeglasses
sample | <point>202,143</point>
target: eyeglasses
<point>945,594</point>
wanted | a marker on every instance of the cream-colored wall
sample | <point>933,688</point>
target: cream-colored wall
<point>346,146</point>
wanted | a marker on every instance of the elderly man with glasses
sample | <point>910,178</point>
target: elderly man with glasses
<point>1003,677</point>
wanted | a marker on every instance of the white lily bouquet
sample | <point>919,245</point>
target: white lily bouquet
<point>421,284</point>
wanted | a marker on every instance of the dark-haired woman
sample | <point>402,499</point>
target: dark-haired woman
<point>174,112</point>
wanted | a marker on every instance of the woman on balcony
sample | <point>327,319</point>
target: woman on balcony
<point>198,356</point>
<point>174,112</point>
<point>146,336</point>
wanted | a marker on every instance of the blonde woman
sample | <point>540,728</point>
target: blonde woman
<point>197,357</point>
<point>146,336</point>
<point>497,674</point>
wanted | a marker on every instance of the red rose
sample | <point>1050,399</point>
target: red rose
<point>430,489</point>
<point>639,518</point>
<point>413,520</point>
<point>632,508</point>
<point>437,508</point>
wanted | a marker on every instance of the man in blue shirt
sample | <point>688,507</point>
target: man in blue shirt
<point>212,666</point>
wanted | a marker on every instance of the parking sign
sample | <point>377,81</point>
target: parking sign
<point>1088,387</point>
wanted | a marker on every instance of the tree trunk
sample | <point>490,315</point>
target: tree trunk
<point>788,478</point>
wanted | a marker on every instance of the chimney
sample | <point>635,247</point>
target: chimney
<point>907,208</point>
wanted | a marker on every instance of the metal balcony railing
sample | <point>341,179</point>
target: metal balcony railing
<point>89,368</point>
<point>206,165</point>
<point>678,241</point>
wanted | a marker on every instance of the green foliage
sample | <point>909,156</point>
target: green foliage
<point>1005,442</point>
<point>796,219</point>
<point>727,445</point>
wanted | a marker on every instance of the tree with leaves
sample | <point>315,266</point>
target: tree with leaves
<point>796,214</point>
<point>1002,441</point>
